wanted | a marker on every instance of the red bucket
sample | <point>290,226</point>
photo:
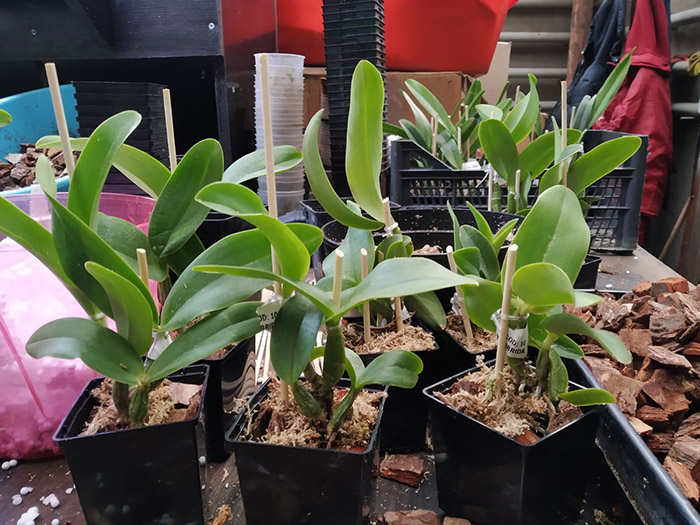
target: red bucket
<point>447,35</point>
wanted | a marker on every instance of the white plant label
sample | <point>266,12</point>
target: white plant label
<point>516,344</point>
<point>267,313</point>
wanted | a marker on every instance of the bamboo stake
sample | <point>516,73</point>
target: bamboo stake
<point>459,140</point>
<point>338,276</point>
<point>269,157</point>
<point>469,149</point>
<point>143,265</point>
<point>517,94</point>
<point>564,126</point>
<point>388,224</point>
<point>489,204</point>
<point>516,191</point>
<point>170,129</point>
<point>57,102</point>
<point>571,120</point>
<point>433,128</point>
<point>460,295</point>
<point>505,307</point>
<point>364,264</point>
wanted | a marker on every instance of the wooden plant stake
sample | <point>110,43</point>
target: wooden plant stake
<point>459,140</point>
<point>170,129</point>
<point>511,257</point>
<point>469,149</point>
<point>516,192</point>
<point>57,102</point>
<point>389,226</point>
<point>338,276</point>
<point>364,264</point>
<point>460,295</point>
<point>489,204</point>
<point>564,127</point>
<point>143,265</point>
<point>571,120</point>
<point>434,128</point>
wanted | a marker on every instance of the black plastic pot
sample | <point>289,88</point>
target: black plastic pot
<point>146,475</point>
<point>231,377</point>
<point>588,275</point>
<point>489,478</point>
<point>456,357</point>
<point>217,225</point>
<point>285,485</point>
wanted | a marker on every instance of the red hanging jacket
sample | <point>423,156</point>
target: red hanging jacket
<point>643,104</point>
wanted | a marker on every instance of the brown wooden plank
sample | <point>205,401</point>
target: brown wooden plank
<point>581,15</point>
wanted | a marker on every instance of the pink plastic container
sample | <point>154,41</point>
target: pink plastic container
<point>36,393</point>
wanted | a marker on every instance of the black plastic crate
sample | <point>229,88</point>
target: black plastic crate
<point>334,7</point>
<point>119,99</point>
<point>334,28</point>
<point>132,88</point>
<point>105,112</point>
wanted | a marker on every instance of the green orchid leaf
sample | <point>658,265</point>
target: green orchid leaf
<point>501,235</point>
<point>588,397</point>
<point>231,199</point>
<point>499,147</point>
<point>77,244</point>
<point>521,120</point>
<point>468,260</point>
<point>321,186</point>
<point>125,238</point>
<point>195,293</point>
<point>213,333</point>
<point>431,104</point>
<point>586,299</point>
<point>558,379</point>
<point>94,163</point>
<point>539,154</point>
<point>610,88</point>
<point>554,231</point>
<point>252,165</point>
<point>305,401</point>
<point>177,215</point>
<point>294,337</point>
<point>397,368</point>
<point>353,366</point>
<point>562,324</point>
<point>391,129</point>
<point>131,312</point>
<point>183,257</point>
<point>139,167</point>
<point>481,223</point>
<point>396,245</point>
<point>421,123</point>
<point>482,301</point>
<point>412,132</point>
<point>5,118</point>
<point>45,175</point>
<point>455,227</point>
<point>103,350</point>
<point>428,309</point>
<point>567,348</point>
<point>342,410</point>
<point>355,240</point>
<point>363,156</point>
<point>488,261</point>
<point>582,119</point>
<point>489,112</point>
<point>542,284</point>
<point>600,161</point>
<point>321,299</point>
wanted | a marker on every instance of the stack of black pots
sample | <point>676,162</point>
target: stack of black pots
<point>354,31</point>
<point>97,101</point>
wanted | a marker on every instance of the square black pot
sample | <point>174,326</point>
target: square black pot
<point>146,475</point>
<point>284,485</point>
<point>487,477</point>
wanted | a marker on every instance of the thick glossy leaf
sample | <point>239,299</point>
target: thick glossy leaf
<point>586,299</point>
<point>94,163</point>
<point>567,348</point>
<point>131,312</point>
<point>139,167</point>
<point>321,186</point>
<point>252,165</point>
<point>125,239</point>
<point>488,262</point>
<point>77,244</point>
<point>431,104</point>
<point>482,301</point>
<point>487,112</point>
<point>499,147</point>
<point>455,227</point>
<point>353,366</point>
<point>182,258</point>
<point>421,122</point>
<point>558,379</point>
<point>427,308</point>
<point>554,231</point>
<point>539,154</point>
<point>5,118</point>
<point>397,368</point>
<point>502,235</point>
<point>294,337</point>
<point>355,240</point>
<point>391,129</point>
<point>45,175</point>
<point>468,260</point>
<point>525,114</point>
<point>217,331</point>
<point>177,215</point>
<point>305,401</point>
<point>238,200</point>
<point>542,284</point>
<point>481,223</point>
<point>103,350</point>
<point>562,324</point>
<point>610,88</point>
<point>413,134</point>
<point>588,397</point>
<point>396,245</point>
<point>196,293</point>
<point>449,150</point>
<point>582,120</point>
<point>600,161</point>
<point>363,155</point>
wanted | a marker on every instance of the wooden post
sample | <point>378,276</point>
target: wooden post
<point>364,263</point>
<point>581,15</point>
<point>511,257</point>
<point>57,102</point>
<point>463,309</point>
<point>170,129</point>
